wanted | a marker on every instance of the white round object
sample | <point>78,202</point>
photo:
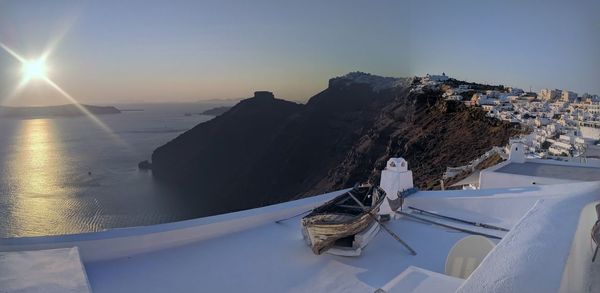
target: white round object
<point>466,255</point>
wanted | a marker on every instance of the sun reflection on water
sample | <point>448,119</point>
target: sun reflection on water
<point>35,171</point>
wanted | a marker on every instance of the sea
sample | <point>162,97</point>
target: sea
<point>66,175</point>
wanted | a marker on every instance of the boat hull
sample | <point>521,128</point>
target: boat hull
<point>322,229</point>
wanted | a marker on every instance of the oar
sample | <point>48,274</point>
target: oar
<point>595,253</point>
<point>448,226</point>
<point>412,251</point>
<point>477,224</point>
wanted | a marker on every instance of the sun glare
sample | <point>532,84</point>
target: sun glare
<point>37,69</point>
<point>34,69</point>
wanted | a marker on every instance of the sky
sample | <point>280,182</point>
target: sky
<point>110,51</point>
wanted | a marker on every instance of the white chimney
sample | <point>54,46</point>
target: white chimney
<point>395,177</point>
<point>517,152</point>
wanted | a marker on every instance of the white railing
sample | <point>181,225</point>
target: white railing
<point>452,172</point>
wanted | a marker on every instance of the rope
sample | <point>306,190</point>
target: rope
<point>285,219</point>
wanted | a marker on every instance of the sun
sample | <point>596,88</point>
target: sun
<point>34,69</point>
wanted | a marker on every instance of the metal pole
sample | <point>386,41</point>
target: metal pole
<point>477,224</point>
<point>448,226</point>
<point>412,251</point>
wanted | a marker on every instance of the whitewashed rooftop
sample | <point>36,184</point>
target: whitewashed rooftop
<point>48,271</point>
<point>581,173</point>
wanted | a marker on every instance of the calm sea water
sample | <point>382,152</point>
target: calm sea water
<point>45,187</point>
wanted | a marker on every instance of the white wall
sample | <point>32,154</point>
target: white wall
<point>517,153</point>
<point>536,254</point>
<point>491,179</point>
<point>577,275</point>
<point>590,132</point>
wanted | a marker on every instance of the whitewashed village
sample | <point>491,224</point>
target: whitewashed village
<point>563,123</point>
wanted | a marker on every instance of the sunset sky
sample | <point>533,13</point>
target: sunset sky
<point>162,51</point>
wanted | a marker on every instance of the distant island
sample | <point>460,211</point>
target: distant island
<point>216,111</point>
<point>69,110</point>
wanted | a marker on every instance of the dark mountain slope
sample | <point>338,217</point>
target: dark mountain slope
<point>430,133</point>
<point>217,156</point>
<point>216,111</point>
<point>266,150</point>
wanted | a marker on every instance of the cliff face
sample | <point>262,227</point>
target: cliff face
<point>266,150</point>
<point>430,133</point>
<point>219,157</point>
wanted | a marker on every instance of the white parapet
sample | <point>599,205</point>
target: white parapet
<point>49,271</point>
<point>395,177</point>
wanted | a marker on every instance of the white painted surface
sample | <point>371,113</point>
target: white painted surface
<point>517,153</point>
<point>590,132</point>
<point>43,271</point>
<point>273,258</point>
<point>533,256</point>
<point>395,177</point>
<point>577,276</point>
<point>491,179</point>
<point>418,280</point>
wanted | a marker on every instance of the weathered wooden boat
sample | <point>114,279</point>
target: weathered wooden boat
<point>343,216</point>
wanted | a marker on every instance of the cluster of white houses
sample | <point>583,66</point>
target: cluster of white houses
<point>563,123</point>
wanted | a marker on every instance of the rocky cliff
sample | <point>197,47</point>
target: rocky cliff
<point>266,150</point>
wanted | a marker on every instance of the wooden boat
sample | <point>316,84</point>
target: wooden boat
<point>341,217</point>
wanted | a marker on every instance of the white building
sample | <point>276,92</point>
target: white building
<point>436,78</point>
<point>568,96</point>
<point>549,94</point>
<point>515,91</point>
<point>454,98</point>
